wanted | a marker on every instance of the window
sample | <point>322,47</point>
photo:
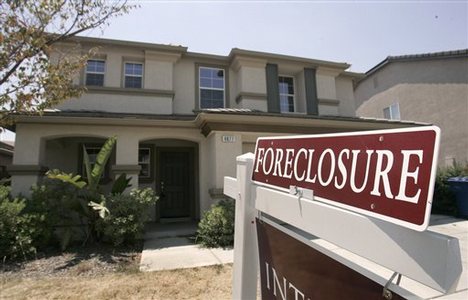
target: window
<point>133,75</point>
<point>144,160</point>
<point>95,70</point>
<point>93,151</point>
<point>211,87</point>
<point>392,112</point>
<point>92,155</point>
<point>286,93</point>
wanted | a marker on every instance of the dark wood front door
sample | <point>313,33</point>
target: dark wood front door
<point>175,183</point>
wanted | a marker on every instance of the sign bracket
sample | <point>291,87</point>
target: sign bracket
<point>387,293</point>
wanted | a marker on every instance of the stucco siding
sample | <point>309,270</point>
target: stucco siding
<point>345,94</point>
<point>184,87</point>
<point>445,105</point>
<point>437,71</point>
<point>121,103</point>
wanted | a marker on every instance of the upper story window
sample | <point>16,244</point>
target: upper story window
<point>133,75</point>
<point>95,70</point>
<point>211,87</point>
<point>286,93</point>
<point>392,112</point>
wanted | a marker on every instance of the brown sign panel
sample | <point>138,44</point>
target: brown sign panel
<point>387,174</point>
<point>290,269</point>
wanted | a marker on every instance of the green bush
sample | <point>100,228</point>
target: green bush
<point>216,228</point>
<point>18,232</point>
<point>60,206</point>
<point>128,214</point>
<point>444,200</point>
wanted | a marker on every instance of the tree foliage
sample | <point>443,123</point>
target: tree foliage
<point>30,80</point>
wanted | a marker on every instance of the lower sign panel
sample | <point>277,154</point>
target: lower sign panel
<point>290,269</point>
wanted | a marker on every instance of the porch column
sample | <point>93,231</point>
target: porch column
<point>126,160</point>
<point>27,168</point>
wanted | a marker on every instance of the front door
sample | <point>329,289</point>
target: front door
<point>175,183</point>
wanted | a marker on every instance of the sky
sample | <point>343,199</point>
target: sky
<point>361,33</point>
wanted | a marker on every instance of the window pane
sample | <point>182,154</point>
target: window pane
<point>145,170</point>
<point>211,98</point>
<point>95,79</point>
<point>211,85</point>
<point>132,82</point>
<point>218,83</point>
<point>133,69</point>
<point>219,73</point>
<point>386,113</point>
<point>205,82</point>
<point>95,66</point>
<point>286,103</point>
<point>286,91</point>
<point>395,111</point>
<point>204,72</point>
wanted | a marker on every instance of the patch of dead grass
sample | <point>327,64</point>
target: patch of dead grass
<point>199,283</point>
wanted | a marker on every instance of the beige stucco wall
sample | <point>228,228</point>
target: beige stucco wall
<point>345,94</point>
<point>436,71</point>
<point>432,90</point>
<point>170,87</point>
<point>111,101</point>
<point>56,146</point>
<point>445,105</point>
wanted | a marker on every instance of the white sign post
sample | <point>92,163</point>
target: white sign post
<point>427,257</point>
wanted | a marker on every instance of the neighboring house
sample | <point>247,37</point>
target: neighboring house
<point>430,88</point>
<point>182,118</point>
<point>6,157</point>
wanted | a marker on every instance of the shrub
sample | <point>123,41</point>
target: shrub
<point>59,204</point>
<point>18,232</point>
<point>128,214</point>
<point>216,228</point>
<point>444,200</point>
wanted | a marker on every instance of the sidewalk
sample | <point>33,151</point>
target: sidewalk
<point>171,246</point>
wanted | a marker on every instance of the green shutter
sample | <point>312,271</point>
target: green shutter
<point>273,99</point>
<point>311,91</point>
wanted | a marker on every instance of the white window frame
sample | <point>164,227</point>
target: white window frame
<point>145,163</point>
<point>394,112</point>
<point>293,95</point>
<point>216,89</point>
<point>132,75</point>
<point>95,72</point>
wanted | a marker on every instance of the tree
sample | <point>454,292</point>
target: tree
<point>30,80</point>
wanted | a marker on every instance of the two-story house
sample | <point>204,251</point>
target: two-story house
<point>429,87</point>
<point>182,118</point>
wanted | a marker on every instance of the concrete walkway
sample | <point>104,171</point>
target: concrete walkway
<point>171,246</point>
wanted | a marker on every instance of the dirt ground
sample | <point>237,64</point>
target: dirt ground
<point>108,274</point>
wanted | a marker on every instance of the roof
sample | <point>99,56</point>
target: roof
<point>416,57</point>
<point>223,120</point>
<point>234,51</point>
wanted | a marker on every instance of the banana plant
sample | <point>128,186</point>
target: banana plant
<point>94,172</point>
<point>91,201</point>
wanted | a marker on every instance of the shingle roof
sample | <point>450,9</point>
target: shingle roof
<point>421,56</point>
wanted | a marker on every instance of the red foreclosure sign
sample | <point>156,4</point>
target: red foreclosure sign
<point>387,174</point>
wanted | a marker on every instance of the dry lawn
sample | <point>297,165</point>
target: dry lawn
<point>199,283</point>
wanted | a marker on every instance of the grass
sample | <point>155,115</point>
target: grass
<point>198,283</point>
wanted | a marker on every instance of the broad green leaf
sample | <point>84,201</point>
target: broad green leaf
<point>120,184</point>
<point>101,160</point>
<point>69,178</point>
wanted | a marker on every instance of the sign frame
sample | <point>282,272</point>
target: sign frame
<point>430,189</point>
